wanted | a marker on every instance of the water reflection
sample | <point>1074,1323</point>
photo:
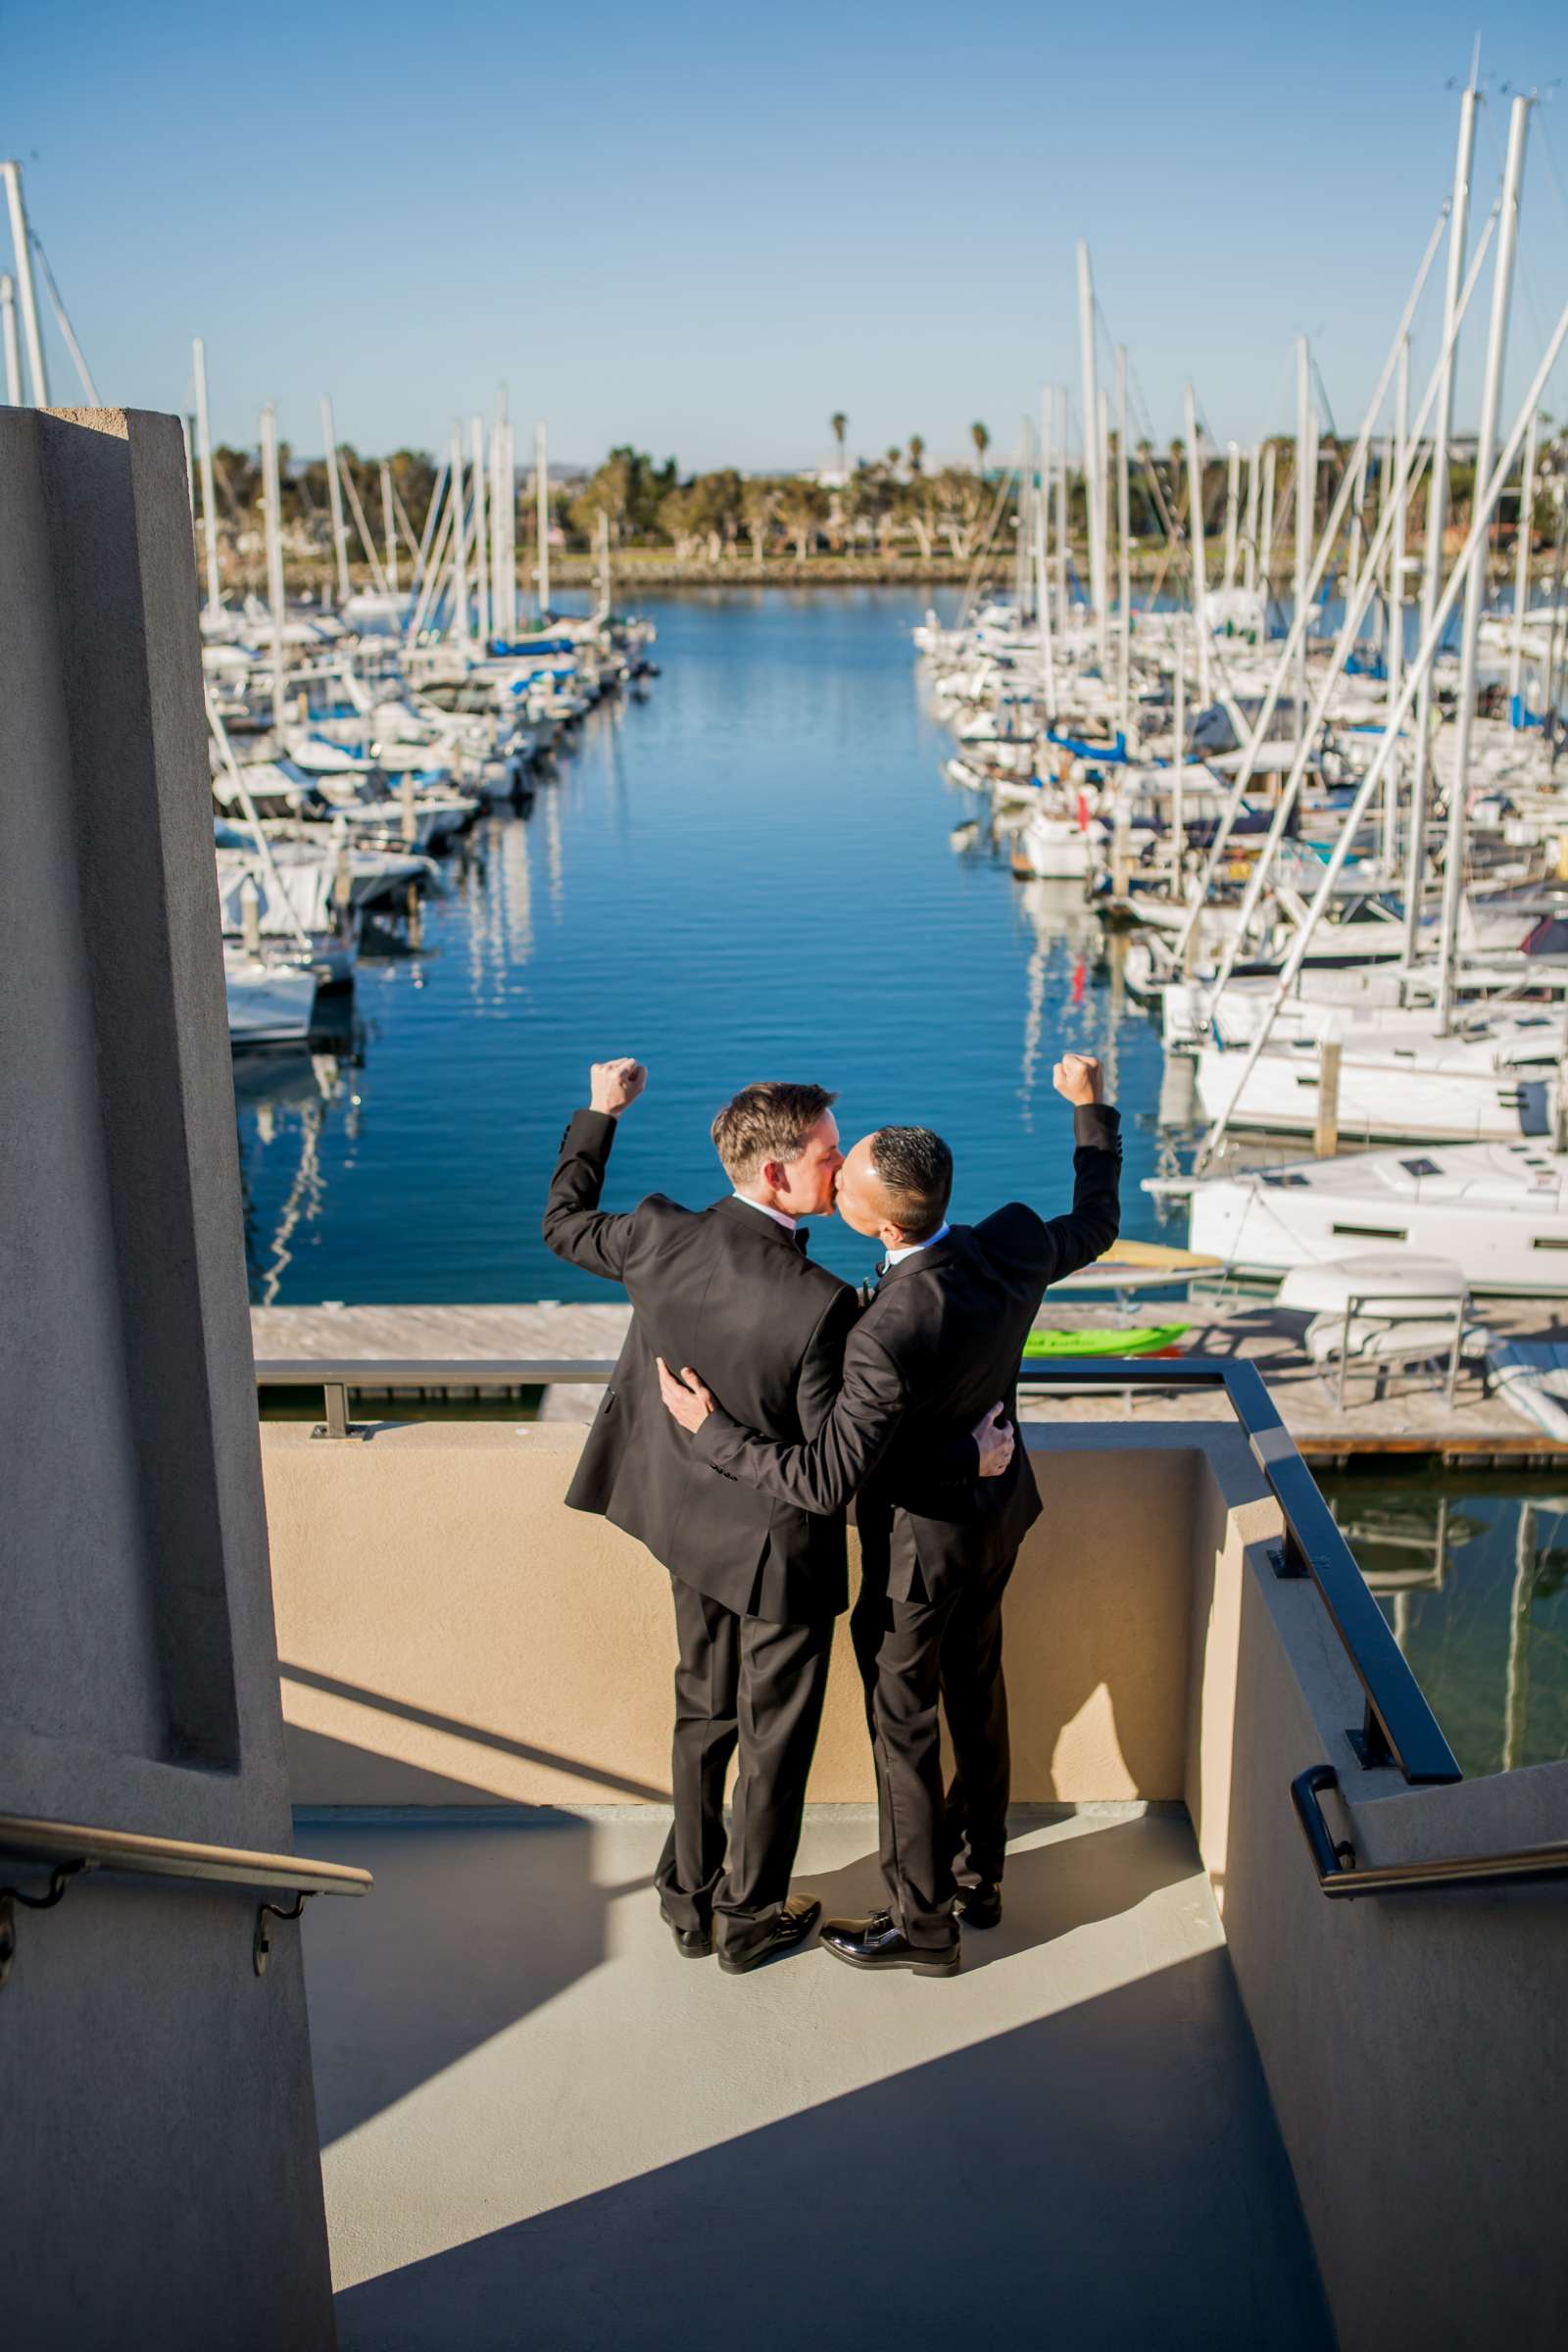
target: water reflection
<point>283,1100</point>
<point>1471,1569</point>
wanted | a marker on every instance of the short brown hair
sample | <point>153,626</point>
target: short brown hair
<point>915,1170</point>
<point>770,1120</point>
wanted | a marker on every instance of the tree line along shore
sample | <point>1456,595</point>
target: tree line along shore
<point>879,521</point>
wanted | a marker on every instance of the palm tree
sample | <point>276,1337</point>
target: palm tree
<point>895,459</point>
<point>841,426</point>
<point>916,451</point>
<point>981,438</point>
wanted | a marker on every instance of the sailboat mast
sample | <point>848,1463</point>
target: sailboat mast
<point>22,247</point>
<point>7,331</point>
<point>541,493</point>
<point>1521,578</point>
<point>481,540</point>
<point>1250,522</point>
<point>204,460</point>
<point>1124,576</point>
<point>1475,593</point>
<point>1305,484</point>
<point>1395,664</point>
<point>1062,553</point>
<point>334,492</point>
<point>1233,503</point>
<point>1093,488</point>
<point>1436,512</point>
<point>1194,539</point>
<point>1048,650</point>
<point>460,542</point>
<point>389,527</point>
<point>272,523</point>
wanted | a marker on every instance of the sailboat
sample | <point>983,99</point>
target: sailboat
<point>1498,1211</point>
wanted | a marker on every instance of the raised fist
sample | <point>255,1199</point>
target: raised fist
<point>615,1084</point>
<point>1078,1077</point>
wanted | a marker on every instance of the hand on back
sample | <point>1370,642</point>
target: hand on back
<point>995,1438</point>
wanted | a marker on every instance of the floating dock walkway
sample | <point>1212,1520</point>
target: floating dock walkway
<point>404,1354</point>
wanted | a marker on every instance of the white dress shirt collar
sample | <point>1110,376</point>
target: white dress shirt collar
<point>910,1248</point>
<point>779,1215</point>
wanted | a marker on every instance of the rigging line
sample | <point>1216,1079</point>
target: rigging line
<point>72,345</point>
<point>1324,402</point>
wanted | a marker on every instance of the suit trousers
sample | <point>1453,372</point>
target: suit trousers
<point>911,1653</point>
<point>740,1682</point>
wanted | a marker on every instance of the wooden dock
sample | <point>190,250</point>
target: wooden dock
<point>1404,1415</point>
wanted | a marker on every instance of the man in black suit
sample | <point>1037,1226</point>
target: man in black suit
<point>757,1579</point>
<point>941,1337</point>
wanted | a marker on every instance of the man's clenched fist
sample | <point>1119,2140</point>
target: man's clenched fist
<point>616,1084</point>
<point>1078,1077</point>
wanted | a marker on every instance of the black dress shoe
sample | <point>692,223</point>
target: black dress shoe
<point>875,1942</point>
<point>692,1943</point>
<point>980,1905</point>
<point>787,1934</point>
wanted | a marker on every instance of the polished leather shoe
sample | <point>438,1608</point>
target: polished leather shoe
<point>980,1905</point>
<point>692,1943</point>
<point>787,1934</point>
<point>875,1942</point>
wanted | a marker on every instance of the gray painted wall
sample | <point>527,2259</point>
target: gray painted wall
<point>162,2182</point>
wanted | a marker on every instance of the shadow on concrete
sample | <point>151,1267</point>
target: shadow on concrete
<point>1104,2177</point>
<point>471,1927</point>
<point>411,1783</point>
<point>1050,1889</point>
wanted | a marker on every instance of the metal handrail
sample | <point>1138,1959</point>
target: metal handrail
<point>1339,1874</point>
<point>71,1850</point>
<point>1399,1727</point>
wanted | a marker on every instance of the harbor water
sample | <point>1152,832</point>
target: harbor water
<point>752,873</point>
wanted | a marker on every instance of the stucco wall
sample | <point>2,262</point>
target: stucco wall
<point>159,2107</point>
<point>1417,2046</point>
<point>451,1633</point>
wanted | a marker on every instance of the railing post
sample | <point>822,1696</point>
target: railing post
<point>335,1402</point>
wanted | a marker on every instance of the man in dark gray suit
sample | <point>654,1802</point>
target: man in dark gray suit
<point>940,1338</point>
<point>757,1579</point>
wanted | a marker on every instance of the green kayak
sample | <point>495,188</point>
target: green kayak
<point>1149,1339</point>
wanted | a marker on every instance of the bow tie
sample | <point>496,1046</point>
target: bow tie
<point>802,1239</point>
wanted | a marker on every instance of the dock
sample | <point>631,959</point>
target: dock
<point>1401,1414</point>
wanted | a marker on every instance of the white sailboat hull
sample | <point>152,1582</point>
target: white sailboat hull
<point>268,1005</point>
<point>1380,1099</point>
<point>1498,1213</point>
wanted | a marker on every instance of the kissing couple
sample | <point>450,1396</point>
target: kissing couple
<point>756,1398</point>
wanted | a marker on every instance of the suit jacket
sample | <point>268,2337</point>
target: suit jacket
<point>939,1342</point>
<point>729,1289</point>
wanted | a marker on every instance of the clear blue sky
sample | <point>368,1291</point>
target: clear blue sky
<point>704,228</point>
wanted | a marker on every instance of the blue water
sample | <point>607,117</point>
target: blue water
<point>747,875</point>
<point>1471,1569</point>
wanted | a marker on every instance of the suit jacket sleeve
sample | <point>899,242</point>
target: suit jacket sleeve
<point>575,1227</point>
<point>1049,1247</point>
<point>823,1474</point>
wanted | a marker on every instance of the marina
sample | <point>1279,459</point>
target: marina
<point>554,1779</point>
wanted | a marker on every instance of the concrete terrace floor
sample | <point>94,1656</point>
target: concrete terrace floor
<point>543,2129</point>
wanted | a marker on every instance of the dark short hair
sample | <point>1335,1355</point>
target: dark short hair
<point>915,1168</point>
<point>770,1120</point>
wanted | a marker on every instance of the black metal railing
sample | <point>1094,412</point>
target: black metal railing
<point>69,1850</point>
<point>1339,1873</point>
<point>1398,1728</point>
